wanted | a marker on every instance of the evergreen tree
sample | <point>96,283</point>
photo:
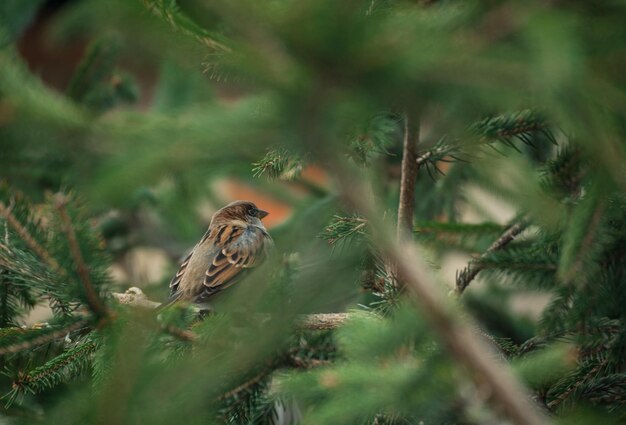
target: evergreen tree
<point>416,113</point>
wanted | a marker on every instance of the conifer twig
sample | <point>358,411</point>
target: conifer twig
<point>249,383</point>
<point>43,375</point>
<point>586,243</point>
<point>422,158</point>
<point>465,277</point>
<point>322,321</point>
<point>43,339</point>
<point>136,298</point>
<point>179,333</point>
<point>28,239</point>
<point>93,299</point>
<point>271,367</point>
<point>406,207</point>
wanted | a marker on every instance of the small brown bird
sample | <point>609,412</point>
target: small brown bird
<point>235,241</point>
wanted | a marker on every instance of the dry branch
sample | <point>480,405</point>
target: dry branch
<point>474,267</point>
<point>324,321</point>
<point>406,207</point>
<point>93,299</point>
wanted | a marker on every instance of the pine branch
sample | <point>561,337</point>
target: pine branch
<point>28,339</point>
<point>504,129</point>
<point>518,125</point>
<point>578,382</point>
<point>290,360</point>
<point>341,228</point>
<point>169,12</point>
<point>93,299</point>
<point>586,243</point>
<point>51,373</point>
<point>455,235</point>
<point>183,335</point>
<point>278,164</point>
<point>322,321</point>
<point>246,385</point>
<point>465,277</point>
<point>374,137</point>
<point>28,239</point>
<point>437,153</point>
<point>135,297</point>
<point>470,349</point>
<point>406,207</point>
<point>96,66</point>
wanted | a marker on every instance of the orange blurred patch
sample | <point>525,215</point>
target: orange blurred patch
<point>233,190</point>
<point>316,175</point>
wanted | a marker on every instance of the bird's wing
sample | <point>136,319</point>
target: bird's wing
<point>240,249</point>
<point>179,275</point>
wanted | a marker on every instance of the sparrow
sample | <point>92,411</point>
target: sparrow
<point>235,241</point>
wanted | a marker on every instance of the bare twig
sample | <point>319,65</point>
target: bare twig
<point>249,383</point>
<point>39,375</point>
<point>289,361</point>
<point>136,298</point>
<point>465,277</point>
<point>28,239</point>
<point>406,205</point>
<point>586,243</point>
<point>324,321</point>
<point>93,299</point>
<point>179,333</point>
<point>470,349</point>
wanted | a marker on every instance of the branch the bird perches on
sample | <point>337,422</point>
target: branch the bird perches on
<point>322,321</point>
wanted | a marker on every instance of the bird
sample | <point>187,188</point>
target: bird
<point>236,241</point>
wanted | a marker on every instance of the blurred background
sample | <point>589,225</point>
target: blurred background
<point>54,43</point>
<point>153,114</point>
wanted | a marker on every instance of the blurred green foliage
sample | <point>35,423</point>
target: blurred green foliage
<point>519,101</point>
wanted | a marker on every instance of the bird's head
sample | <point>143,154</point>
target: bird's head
<point>241,210</point>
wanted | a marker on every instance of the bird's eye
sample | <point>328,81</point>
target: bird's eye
<point>254,212</point>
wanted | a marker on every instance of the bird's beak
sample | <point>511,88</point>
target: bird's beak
<point>262,214</point>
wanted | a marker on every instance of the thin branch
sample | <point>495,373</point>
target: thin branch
<point>322,321</point>
<point>406,205</point>
<point>424,157</point>
<point>46,372</point>
<point>43,339</point>
<point>93,299</point>
<point>135,297</point>
<point>586,243</point>
<point>563,396</point>
<point>249,383</point>
<point>179,333</point>
<point>28,239</point>
<point>465,277</point>
<point>289,361</point>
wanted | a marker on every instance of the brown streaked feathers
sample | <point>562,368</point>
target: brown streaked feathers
<point>235,241</point>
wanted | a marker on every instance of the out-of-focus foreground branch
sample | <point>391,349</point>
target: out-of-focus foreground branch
<point>469,348</point>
